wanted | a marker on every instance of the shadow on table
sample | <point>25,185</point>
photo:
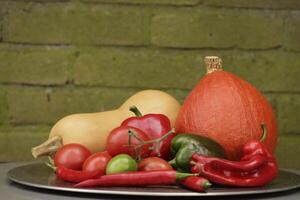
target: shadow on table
<point>124,197</point>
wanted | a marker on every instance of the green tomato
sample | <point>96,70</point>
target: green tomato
<point>121,163</point>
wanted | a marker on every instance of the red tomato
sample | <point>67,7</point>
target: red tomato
<point>154,163</point>
<point>97,162</point>
<point>71,156</point>
<point>117,142</point>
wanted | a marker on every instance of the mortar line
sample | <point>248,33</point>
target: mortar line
<point>149,46</point>
<point>74,86</point>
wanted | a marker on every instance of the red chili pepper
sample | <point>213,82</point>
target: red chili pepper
<point>257,167</point>
<point>74,175</point>
<point>196,183</point>
<point>139,178</point>
<point>155,126</point>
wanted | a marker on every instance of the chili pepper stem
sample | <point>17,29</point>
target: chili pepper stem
<point>136,111</point>
<point>206,184</point>
<point>181,175</point>
<point>51,166</point>
<point>173,162</point>
<point>264,135</point>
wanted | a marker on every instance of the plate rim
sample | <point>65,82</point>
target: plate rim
<point>145,193</point>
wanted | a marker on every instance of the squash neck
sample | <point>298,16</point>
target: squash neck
<point>213,63</point>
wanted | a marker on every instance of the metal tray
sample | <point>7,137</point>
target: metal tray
<point>38,175</point>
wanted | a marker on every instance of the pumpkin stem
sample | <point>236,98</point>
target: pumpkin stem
<point>213,63</point>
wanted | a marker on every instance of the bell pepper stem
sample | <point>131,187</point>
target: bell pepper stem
<point>264,134</point>
<point>136,111</point>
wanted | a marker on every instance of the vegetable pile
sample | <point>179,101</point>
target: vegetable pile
<point>209,145</point>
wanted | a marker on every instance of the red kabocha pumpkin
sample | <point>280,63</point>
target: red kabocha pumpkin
<point>228,110</point>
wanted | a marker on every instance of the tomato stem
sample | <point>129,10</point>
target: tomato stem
<point>156,141</point>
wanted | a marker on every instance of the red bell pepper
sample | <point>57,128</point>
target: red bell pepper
<point>155,126</point>
<point>257,167</point>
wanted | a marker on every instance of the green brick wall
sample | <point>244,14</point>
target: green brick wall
<point>59,57</point>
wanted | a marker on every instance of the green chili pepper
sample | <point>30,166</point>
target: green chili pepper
<point>183,146</point>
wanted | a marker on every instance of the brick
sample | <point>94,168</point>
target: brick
<point>283,4</point>
<point>253,31</point>
<point>289,113</point>
<point>192,31</point>
<point>160,2</point>
<point>292,32</point>
<point>287,152</point>
<point>266,70</point>
<point>3,106</point>
<point>137,68</point>
<point>249,30</point>
<point>72,23</point>
<point>16,143</point>
<point>1,19</point>
<point>48,105</point>
<point>287,107</point>
<point>273,100</point>
<point>46,66</point>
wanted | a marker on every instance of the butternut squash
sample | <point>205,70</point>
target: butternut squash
<point>92,129</point>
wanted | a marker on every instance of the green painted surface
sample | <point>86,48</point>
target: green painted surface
<point>287,107</point>
<point>35,65</point>
<point>159,2</point>
<point>16,143</point>
<point>46,105</point>
<point>284,4</point>
<point>289,113</point>
<point>123,67</point>
<point>287,152</point>
<point>63,57</point>
<point>293,31</point>
<point>138,68</point>
<point>3,107</point>
<point>217,29</point>
<point>275,71</point>
<point>67,23</point>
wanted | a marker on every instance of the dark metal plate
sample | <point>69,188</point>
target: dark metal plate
<point>40,176</point>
